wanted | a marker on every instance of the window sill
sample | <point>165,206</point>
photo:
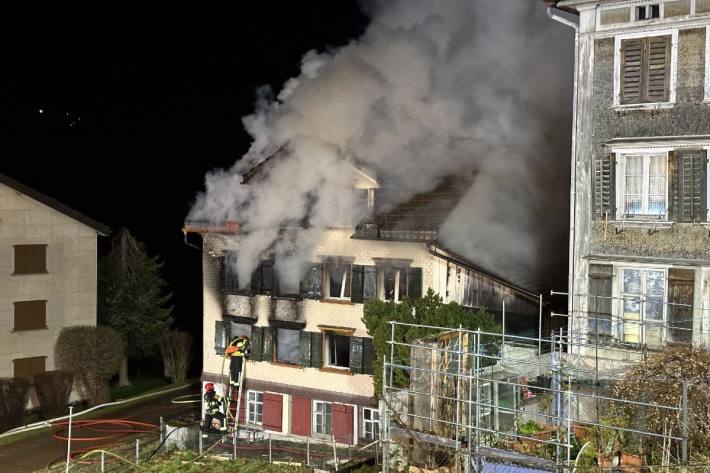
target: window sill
<point>30,274</point>
<point>641,223</point>
<point>338,301</point>
<point>286,365</point>
<point>643,106</point>
<point>345,371</point>
<point>14,330</point>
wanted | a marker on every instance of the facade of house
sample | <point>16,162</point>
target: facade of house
<point>310,373</point>
<point>640,244</point>
<point>47,276</point>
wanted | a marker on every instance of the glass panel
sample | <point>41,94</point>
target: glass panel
<point>657,185</point>
<point>655,288</point>
<point>390,277</point>
<point>338,280</point>
<point>338,350</point>
<point>288,346</point>
<point>632,281</point>
<point>633,185</point>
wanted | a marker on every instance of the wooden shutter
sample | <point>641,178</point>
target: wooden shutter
<point>358,281</point>
<point>657,68</point>
<point>414,283</point>
<point>30,259</point>
<point>273,409</point>
<point>674,209</point>
<point>255,284</point>
<point>229,273</point>
<point>368,356</point>
<point>220,337</point>
<point>306,349</point>
<point>600,302</point>
<point>316,349</point>
<point>691,186</point>
<point>369,285</point>
<point>342,420</point>
<point>355,355</point>
<point>312,284</point>
<point>257,343</point>
<point>604,187</point>
<point>632,56</point>
<point>30,315</point>
<point>27,368</point>
<point>681,284</point>
<point>300,416</point>
<point>267,351</point>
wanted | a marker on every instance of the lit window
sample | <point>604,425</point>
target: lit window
<point>371,423</point>
<point>322,417</point>
<point>644,186</point>
<point>255,407</point>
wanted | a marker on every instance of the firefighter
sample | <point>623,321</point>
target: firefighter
<point>213,402</point>
<point>237,351</point>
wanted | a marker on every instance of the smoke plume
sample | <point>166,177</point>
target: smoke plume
<point>431,89</point>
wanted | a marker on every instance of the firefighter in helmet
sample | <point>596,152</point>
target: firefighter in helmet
<point>212,403</point>
<point>237,351</point>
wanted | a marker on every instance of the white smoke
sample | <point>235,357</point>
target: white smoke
<point>431,89</point>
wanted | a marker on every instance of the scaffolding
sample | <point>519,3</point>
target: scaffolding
<point>458,400</point>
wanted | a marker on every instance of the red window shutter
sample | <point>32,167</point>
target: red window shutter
<point>273,408</point>
<point>343,423</point>
<point>300,415</point>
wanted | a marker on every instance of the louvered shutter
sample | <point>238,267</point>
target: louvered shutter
<point>305,349</point>
<point>674,210</point>
<point>600,285</point>
<point>604,187</point>
<point>369,284</point>
<point>312,283</point>
<point>257,342</point>
<point>355,355</point>
<point>657,68</point>
<point>267,351</point>
<point>229,273</point>
<point>358,273</point>
<point>631,70</point>
<point>414,283</point>
<point>680,305</point>
<point>220,337</point>
<point>368,356</point>
<point>316,349</point>
<point>691,186</point>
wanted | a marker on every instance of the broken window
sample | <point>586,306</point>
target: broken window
<point>644,186</point>
<point>288,346</point>
<point>338,279</point>
<point>262,279</point>
<point>645,70</point>
<point>337,350</point>
<point>322,417</point>
<point>255,407</point>
<point>30,315</point>
<point>30,259</point>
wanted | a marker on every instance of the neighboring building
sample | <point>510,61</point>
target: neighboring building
<point>47,276</point>
<point>640,255</point>
<point>310,372</point>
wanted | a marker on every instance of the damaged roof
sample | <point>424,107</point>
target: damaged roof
<point>100,228</point>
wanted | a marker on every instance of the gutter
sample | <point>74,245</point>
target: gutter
<point>551,12</point>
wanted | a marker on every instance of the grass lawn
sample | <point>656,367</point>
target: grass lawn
<point>139,385</point>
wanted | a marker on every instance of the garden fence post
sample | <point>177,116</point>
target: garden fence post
<point>350,447</point>
<point>162,429</point>
<point>684,457</point>
<point>103,458</point>
<point>308,451</point>
<point>269,448</point>
<point>335,454</point>
<point>199,443</point>
<point>138,451</point>
<point>71,412</point>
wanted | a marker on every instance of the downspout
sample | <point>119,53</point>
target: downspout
<point>551,12</point>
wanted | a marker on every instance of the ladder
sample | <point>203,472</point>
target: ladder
<point>230,397</point>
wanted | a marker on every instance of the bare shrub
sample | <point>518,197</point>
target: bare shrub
<point>14,394</point>
<point>93,355</point>
<point>176,348</point>
<point>53,390</point>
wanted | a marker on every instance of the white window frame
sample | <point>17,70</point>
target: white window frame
<point>258,407</point>
<point>401,272</point>
<point>707,64</point>
<point>620,190</point>
<point>324,415</point>
<point>326,351</point>
<point>632,14</point>
<point>641,323</point>
<point>673,69</point>
<point>344,284</point>
<point>374,424</point>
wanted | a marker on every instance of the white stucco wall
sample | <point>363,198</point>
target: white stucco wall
<point>69,287</point>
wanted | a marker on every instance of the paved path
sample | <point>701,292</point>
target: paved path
<point>36,452</point>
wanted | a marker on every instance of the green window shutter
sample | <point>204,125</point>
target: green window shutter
<point>355,355</point>
<point>358,273</point>
<point>220,337</point>
<point>604,187</point>
<point>257,341</point>
<point>306,349</point>
<point>632,70</point>
<point>312,283</point>
<point>368,356</point>
<point>229,273</point>
<point>414,283</point>
<point>691,186</point>
<point>600,285</point>
<point>267,352</point>
<point>316,349</point>
<point>369,283</point>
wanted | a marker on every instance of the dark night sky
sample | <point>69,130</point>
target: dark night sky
<point>151,107</point>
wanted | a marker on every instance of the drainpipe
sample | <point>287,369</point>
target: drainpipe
<point>552,13</point>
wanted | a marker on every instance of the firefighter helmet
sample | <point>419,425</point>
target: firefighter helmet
<point>209,387</point>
